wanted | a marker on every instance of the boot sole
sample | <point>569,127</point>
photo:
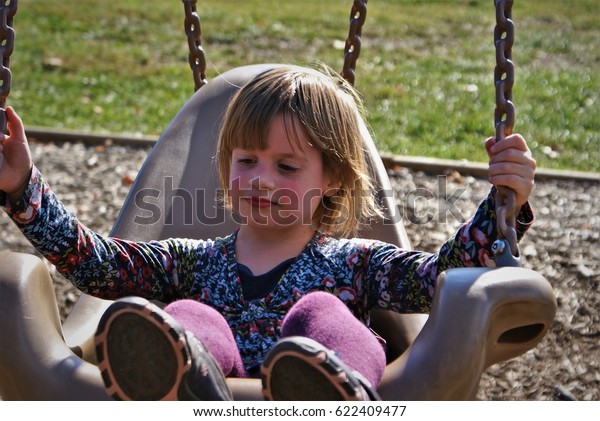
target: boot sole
<point>140,354</point>
<point>301,369</point>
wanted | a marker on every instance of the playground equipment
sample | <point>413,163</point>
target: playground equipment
<point>479,316</point>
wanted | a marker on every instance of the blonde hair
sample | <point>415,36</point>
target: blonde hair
<point>330,113</point>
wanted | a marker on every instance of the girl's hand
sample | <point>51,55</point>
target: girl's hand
<point>512,165</point>
<point>16,163</point>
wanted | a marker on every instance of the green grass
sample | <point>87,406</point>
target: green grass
<point>425,71</point>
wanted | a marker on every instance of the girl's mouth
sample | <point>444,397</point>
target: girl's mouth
<point>259,202</point>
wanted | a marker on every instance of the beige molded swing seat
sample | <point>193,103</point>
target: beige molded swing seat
<point>479,316</point>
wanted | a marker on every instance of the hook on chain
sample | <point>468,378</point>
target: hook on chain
<point>502,255</point>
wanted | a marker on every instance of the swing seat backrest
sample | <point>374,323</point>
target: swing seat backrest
<point>174,195</point>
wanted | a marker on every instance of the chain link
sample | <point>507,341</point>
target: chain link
<point>358,15</point>
<point>8,9</point>
<point>504,115</point>
<point>193,30</point>
<point>197,56</point>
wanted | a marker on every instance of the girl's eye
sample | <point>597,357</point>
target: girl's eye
<point>245,161</point>
<point>287,168</point>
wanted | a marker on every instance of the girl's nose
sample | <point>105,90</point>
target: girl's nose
<point>263,180</point>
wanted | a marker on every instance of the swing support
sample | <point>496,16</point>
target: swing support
<point>193,30</point>
<point>8,9</point>
<point>197,56</point>
<point>358,15</point>
<point>504,120</point>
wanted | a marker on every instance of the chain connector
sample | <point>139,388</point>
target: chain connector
<point>502,255</point>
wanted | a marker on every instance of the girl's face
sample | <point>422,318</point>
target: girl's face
<point>281,186</point>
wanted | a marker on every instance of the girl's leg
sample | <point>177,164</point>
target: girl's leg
<point>324,353</point>
<point>211,328</point>
<point>208,325</point>
<point>325,318</point>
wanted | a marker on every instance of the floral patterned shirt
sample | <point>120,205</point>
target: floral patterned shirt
<point>365,274</point>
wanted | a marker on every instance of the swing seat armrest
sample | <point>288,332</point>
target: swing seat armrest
<point>479,317</point>
<point>35,361</point>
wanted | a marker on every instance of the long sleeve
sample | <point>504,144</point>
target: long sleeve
<point>103,266</point>
<point>405,281</point>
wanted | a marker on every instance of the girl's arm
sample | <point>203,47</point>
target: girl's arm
<point>411,276</point>
<point>102,266</point>
<point>405,280</point>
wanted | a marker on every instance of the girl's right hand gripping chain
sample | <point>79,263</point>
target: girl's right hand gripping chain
<point>512,165</point>
<point>15,157</point>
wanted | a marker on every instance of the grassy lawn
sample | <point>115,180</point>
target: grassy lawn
<point>425,71</point>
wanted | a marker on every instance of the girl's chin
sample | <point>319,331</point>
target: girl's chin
<point>270,222</point>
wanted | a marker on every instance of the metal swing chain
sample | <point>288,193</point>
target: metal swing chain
<point>504,119</point>
<point>358,15</point>
<point>8,9</point>
<point>197,57</point>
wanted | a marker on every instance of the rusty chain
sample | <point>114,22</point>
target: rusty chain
<point>8,9</point>
<point>193,30</point>
<point>504,115</point>
<point>358,15</point>
<point>197,56</point>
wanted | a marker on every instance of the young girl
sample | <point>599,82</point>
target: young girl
<point>287,296</point>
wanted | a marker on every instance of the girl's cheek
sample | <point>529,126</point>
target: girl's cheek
<point>234,185</point>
